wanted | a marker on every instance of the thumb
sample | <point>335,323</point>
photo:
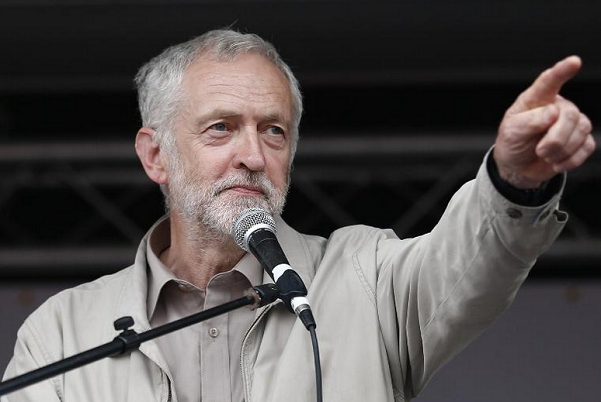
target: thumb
<point>523,126</point>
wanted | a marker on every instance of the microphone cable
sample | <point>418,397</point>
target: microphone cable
<point>318,384</point>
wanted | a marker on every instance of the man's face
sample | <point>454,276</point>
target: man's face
<point>233,140</point>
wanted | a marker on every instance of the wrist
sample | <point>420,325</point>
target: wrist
<point>510,175</point>
<point>518,180</point>
<point>530,197</point>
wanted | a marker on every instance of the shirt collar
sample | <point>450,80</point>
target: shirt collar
<point>159,275</point>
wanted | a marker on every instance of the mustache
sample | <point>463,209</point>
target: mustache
<point>256,180</point>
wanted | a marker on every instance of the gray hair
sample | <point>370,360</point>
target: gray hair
<point>159,81</point>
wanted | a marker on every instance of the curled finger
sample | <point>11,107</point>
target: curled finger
<point>552,147</point>
<point>579,135</point>
<point>578,157</point>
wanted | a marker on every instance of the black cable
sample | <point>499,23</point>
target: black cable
<point>317,363</point>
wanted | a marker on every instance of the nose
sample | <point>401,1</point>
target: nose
<point>249,153</point>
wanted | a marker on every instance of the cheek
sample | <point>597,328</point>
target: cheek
<point>278,167</point>
<point>209,161</point>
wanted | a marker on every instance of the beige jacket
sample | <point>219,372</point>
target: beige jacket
<point>389,312</point>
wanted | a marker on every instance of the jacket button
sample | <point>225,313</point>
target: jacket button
<point>514,213</point>
<point>213,332</point>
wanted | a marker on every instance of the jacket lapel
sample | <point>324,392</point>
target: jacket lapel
<point>297,251</point>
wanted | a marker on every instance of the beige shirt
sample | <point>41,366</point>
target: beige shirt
<point>204,359</point>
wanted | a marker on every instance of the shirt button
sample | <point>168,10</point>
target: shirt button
<point>514,213</point>
<point>213,332</point>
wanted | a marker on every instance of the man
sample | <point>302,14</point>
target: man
<point>220,116</point>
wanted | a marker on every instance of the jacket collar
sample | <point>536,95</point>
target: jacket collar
<point>296,249</point>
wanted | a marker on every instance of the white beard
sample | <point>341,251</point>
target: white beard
<point>209,206</point>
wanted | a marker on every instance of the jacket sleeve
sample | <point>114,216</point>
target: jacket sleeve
<point>437,292</point>
<point>29,355</point>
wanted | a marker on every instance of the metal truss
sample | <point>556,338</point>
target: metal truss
<point>80,209</point>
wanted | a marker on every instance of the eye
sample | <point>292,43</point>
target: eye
<point>275,136</point>
<point>219,127</point>
<point>219,130</point>
<point>275,130</point>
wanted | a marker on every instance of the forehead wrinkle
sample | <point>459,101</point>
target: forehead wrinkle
<point>246,79</point>
<point>251,90</point>
<point>256,98</point>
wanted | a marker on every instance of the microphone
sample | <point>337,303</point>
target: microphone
<point>254,231</point>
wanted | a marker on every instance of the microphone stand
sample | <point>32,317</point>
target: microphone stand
<point>129,339</point>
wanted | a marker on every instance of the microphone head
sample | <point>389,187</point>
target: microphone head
<point>248,221</point>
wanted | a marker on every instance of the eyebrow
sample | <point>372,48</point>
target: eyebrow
<point>274,116</point>
<point>224,114</point>
<point>215,114</point>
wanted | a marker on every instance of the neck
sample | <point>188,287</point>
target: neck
<point>197,253</point>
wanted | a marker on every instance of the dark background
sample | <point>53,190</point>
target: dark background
<point>402,101</point>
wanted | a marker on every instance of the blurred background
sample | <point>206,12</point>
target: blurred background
<point>402,101</point>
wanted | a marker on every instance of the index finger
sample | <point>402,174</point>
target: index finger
<point>546,87</point>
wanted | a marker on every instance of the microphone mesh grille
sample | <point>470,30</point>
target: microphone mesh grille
<point>246,220</point>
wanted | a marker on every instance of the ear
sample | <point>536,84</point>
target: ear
<point>150,155</point>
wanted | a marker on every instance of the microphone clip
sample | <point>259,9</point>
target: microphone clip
<point>290,286</point>
<point>263,294</point>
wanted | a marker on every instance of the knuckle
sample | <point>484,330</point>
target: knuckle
<point>589,146</point>
<point>584,125</point>
<point>554,144</point>
<point>588,121</point>
<point>511,136</point>
<point>520,103</point>
<point>572,113</point>
<point>576,160</point>
<point>507,130</point>
<point>540,119</point>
